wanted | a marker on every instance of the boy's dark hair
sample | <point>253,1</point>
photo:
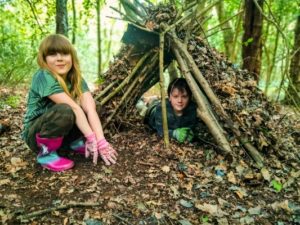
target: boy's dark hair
<point>181,85</point>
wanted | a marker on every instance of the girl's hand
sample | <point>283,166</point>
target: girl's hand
<point>106,151</point>
<point>91,147</point>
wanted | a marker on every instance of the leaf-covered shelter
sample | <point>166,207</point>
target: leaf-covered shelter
<point>235,111</point>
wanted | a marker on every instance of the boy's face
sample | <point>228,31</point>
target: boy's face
<point>59,63</point>
<point>179,101</point>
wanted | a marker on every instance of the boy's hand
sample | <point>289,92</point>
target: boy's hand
<point>183,134</point>
<point>190,135</point>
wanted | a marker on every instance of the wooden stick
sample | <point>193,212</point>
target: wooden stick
<point>108,88</point>
<point>199,14</point>
<point>127,79</point>
<point>162,89</point>
<point>60,207</point>
<point>225,21</point>
<point>133,88</point>
<point>122,219</point>
<point>124,97</point>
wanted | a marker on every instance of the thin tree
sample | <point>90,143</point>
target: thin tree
<point>252,43</point>
<point>228,34</point>
<point>74,22</point>
<point>293,92</point>
<point>62,17</point>
<point>238,28</point>
<point>98,7</point>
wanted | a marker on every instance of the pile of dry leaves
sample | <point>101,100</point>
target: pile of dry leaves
<point>190,184</point>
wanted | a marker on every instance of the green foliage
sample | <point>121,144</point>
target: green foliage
<point>249,41</point>
<point>19,38</point>
<point>204,219</point>
<point>23,26</point>
<point>12,101</point>
<point>276,185</point>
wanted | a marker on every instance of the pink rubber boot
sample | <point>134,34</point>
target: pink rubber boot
<point>48,157</point>
<point>78,146</point>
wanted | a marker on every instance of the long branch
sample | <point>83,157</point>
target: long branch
<point>162,89</point>
<point>105,90</point>
<point>35,16</point>
<point>225,21</point>
<point>60,207</point>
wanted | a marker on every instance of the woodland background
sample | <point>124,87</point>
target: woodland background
<point>272,37</point>
<point>191,183</point>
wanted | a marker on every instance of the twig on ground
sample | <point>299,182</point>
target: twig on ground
<point>122,219</point>
<point>60,207</point>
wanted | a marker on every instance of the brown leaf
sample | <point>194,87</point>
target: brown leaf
<point>231,178</point>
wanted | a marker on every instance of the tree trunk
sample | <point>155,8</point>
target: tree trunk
<point>272,62</point>
<point>62,17</point>
<point>99,38</point>
<point>252,46</point>
<point>227,29</point>
<point>235,46</point>
<point>74,22</point>
<point>293,92</point>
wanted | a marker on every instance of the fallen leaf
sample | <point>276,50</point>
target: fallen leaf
<point>222,221</point>
<point>184,222</point>
<point>281,205</point>
<point>255,210</point>
<point>265,173</point>
<point>214,210</point>
<point>185,203</point>
<point>276,185</point>
<point>141,207</point>
<point>4,181</point>
<point>231,178</point>
<point>175,191</point>
<point>165,169</point>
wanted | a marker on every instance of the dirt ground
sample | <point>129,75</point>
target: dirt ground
<point>189,184</point>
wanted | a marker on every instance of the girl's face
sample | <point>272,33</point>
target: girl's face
<point>179,101</point>
<point>59,63</point>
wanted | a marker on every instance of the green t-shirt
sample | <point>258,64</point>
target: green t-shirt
<point>43,84</point>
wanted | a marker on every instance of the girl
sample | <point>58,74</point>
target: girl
<point>181,112</point>
<point>61,109</point>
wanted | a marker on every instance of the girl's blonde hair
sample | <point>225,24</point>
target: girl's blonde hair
<point>56,43</point>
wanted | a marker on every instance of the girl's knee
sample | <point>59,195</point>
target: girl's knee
<point>63,108</point>
<point>63,115</point>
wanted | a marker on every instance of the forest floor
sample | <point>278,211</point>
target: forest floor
<point>190,184</point>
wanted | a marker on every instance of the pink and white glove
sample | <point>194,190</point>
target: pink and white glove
<point>91,147</point>
<point>106,151</point>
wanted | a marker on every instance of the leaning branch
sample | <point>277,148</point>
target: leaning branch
<point>203,110</point>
